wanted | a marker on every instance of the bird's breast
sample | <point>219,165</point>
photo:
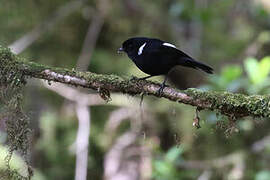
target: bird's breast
<point>152,65</point>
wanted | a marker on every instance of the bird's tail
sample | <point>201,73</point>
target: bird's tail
<point>197,65</point>
<point>204,67</point>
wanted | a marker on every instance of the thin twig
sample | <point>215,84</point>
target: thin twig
<point>90,42</point>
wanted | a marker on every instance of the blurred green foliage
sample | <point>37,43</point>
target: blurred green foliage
<point>258,74</point>
<point>165,167</point>
<point>232,78</point>
<point>262,175</point>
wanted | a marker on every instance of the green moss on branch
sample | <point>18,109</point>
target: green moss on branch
<point>230,104</point>
<point>238,105</point>
<point>12,81</point>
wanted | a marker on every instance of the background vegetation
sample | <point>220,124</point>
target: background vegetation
<point>155,139</point>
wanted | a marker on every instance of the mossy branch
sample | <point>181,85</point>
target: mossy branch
<point>229,104</point>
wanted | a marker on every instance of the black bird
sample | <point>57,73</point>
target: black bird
<point>156,57</point>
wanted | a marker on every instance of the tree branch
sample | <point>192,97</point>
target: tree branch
<point>230,104</point>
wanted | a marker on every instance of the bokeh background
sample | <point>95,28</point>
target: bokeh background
<point>77,135</point>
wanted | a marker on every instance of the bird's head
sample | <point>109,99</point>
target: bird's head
<point>132,45</point>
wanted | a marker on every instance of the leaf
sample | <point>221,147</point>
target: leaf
<point>252,69</point>
<point>173,154</point>
<point>257,71</point>
<point>162,167</point>
<point>264,69</point>
<point>232,72</point>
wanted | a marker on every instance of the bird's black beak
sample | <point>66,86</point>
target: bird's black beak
<point>120,50</point>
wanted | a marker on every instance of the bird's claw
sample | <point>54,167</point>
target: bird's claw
<point>160,91</point>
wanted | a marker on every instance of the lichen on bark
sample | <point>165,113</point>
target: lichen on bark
<point>16,122</point>
<point>233,104</point>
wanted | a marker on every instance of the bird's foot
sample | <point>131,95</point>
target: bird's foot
<point>160,91</point>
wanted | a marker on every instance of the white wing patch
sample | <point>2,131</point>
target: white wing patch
<point>168,44</point>
<point>141,49</point>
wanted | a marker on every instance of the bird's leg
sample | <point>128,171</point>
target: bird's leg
<point>163,85</point>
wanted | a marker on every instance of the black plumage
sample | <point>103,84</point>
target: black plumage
<point>156,57</point>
